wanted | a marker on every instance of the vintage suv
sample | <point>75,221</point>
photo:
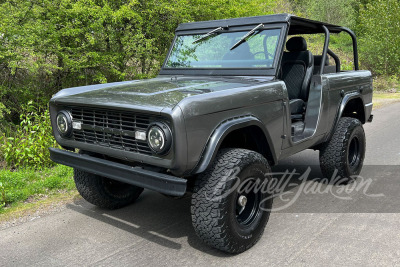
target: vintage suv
<point>230,101</point>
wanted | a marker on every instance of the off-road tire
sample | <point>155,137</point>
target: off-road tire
<point>214,212</point>
<point>344,153</point>
<point>104,192</point>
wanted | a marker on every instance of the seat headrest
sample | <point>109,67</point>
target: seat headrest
<point>318,60</point>
<point>296,44</point>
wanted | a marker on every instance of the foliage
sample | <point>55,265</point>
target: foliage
<point>380,26</point>
<point>387,83</point>
<point>3,122</point>
<point>3,110</point>
<point>29,184</point>
<point>47,45</point>
<point>2,195</point>
<point>338,12</point>
<point>28,146</point>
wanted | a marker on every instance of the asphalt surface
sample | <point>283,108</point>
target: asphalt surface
<point>157,231</point>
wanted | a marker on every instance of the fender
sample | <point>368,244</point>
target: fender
<point>342,106</point>
<point>219,134</point>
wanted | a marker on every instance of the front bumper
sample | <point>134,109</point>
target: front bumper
<point>163,183</point>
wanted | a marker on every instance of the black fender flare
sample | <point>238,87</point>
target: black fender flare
<point>219,134</point>
<point>346,99</point>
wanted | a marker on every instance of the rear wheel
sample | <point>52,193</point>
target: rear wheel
<point>344,154</point>
<point>229,208</point>
<point>104,192</point>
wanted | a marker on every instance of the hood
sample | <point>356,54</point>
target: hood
<point>155,94</point>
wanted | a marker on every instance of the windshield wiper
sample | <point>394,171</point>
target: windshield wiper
<point>208,34</point>
<point>247,35</point>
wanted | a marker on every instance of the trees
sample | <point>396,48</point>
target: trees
<point>376,24</point>
<point>380,28</point>
<point>46,45</point>
<point>339,12</point>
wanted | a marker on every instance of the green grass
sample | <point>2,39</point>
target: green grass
<point>24,190</point>
<point>381,99</point>
<point>26,186</point>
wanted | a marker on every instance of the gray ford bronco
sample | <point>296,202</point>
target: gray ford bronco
<point>232,99</point>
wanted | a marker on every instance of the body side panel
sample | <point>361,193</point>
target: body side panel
<point>345,86</point>
<point>204,115</point>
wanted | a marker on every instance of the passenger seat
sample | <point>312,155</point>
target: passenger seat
<point>327,68</point>
<point>297,70</point>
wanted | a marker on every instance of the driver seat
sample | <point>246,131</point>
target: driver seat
<point>297,70</point>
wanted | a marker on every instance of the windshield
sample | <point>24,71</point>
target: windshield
<point>194,51</point>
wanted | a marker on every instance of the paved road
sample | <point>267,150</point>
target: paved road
<point>157,231</point>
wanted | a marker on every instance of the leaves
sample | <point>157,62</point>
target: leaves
<point>48,45</point>
<point>380,26</point>
<point>28,147</point>
<point>339,12</point>
<point>3,198</point>
<point>102,41</point>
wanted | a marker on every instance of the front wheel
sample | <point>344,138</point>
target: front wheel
<point>104,192</point>
<point>229,206</point>
<point>343,155</point>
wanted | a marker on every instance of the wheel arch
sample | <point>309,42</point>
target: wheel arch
<point>354,108</point>
<point>352,105</point>
<point>256,138</point>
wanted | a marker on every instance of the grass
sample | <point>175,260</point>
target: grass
<point>26,191</point>
<point>24,211</point>
<point>381,99</point>
<point>26,186</point>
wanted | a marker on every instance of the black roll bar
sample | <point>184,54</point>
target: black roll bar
<point>325,50</point>
<point>355,49</point>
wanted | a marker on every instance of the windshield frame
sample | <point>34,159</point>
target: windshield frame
<point>266,71</point>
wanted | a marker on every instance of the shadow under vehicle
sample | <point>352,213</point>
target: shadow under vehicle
<point>233,98</point>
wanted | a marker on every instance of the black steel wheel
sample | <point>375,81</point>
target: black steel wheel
<point>230,207</point>
<point>247,205</point>
<point>344,154</point>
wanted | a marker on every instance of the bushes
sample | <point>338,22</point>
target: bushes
<point>340,12</point>
<point>385,83</point>
<point>53,44</point>
<point>3,110</point>
<point>380,42</point>
<point>49,45</point>
<point>26,148</point>
<point>28,145</point>
<point>3,198</point>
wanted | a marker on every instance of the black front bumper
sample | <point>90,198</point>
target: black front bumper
<point>138,176</point>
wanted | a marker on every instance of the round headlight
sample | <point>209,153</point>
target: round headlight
<point>159,137</point>
<point>64,123</point>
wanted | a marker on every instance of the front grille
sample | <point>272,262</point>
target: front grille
<point>110,128</point>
